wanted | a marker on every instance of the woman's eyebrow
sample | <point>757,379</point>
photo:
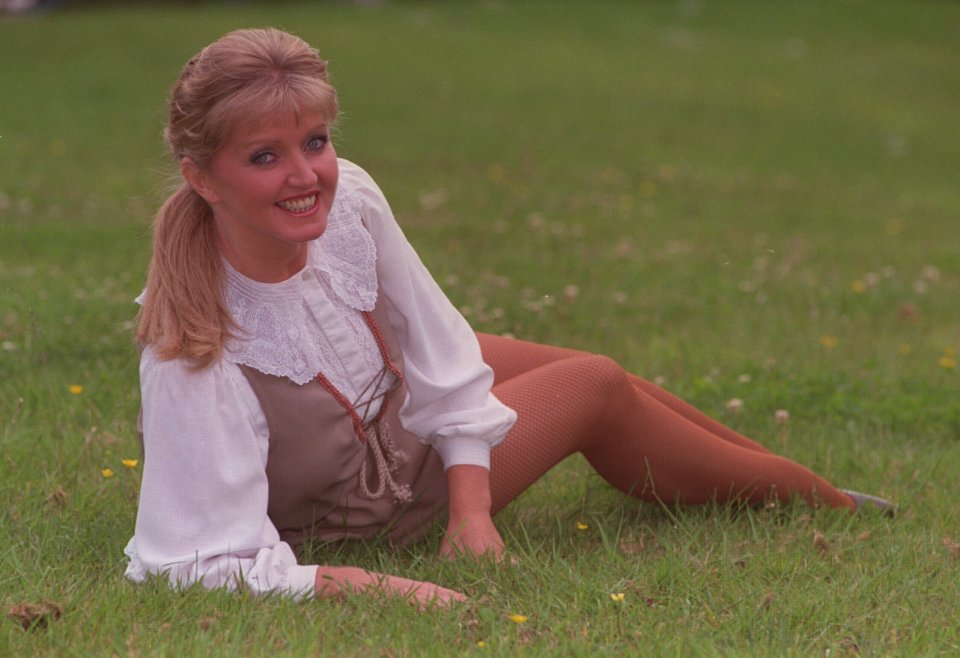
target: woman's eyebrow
<point>269,139</point>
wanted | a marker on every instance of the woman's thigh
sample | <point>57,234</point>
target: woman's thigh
<point>510,357</point>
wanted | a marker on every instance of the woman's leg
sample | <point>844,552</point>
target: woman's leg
<point>587,403</point>
<point>510,357</point>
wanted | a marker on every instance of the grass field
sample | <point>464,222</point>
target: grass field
<point>742,200</point>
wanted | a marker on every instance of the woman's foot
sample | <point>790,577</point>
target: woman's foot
<point>866,500</point>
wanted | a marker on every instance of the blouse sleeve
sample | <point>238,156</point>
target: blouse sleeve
<point>450,402</point>
<point>202,514</point>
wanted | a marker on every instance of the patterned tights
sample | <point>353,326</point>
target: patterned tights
<point>640,438</point>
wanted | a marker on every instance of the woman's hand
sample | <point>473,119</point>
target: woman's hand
<point>340,581</point>
<point>472,535</point>
<point>470,530</point>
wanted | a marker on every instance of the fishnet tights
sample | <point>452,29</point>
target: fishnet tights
<point>640,438</point>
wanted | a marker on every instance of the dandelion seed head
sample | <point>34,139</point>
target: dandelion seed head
<point>432,199</point>
<point>782,416</point>
<point>735,405</point>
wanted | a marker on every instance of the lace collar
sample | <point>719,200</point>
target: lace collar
<point>277,333</point>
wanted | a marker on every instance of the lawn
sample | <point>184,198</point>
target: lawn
<point>740,200</point>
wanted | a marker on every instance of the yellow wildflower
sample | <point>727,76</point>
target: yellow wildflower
<point>518,619</point>
<point>76,389</point>
<point>582,526</point>
<point>947,362</point>
<point>829,341</point>
<point>481,644</point>
<point>618,597</point>
<point>130,463</point>
<point>496,172</point>
<point>858,286</point>
<point>107,473</point>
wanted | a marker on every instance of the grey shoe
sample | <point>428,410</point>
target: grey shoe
<point>862,499</point>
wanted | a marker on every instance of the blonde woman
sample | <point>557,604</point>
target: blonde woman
<point>303,376</point>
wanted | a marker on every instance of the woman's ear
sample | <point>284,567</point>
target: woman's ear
<point>197,179</point>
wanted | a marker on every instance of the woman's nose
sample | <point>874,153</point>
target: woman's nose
<point>301,172</point>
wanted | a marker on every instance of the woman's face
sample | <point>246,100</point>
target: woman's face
<point>271,186</point>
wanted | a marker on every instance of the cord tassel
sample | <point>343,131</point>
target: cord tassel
<point>387,461</point>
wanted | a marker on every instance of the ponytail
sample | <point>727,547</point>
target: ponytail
<point>183,313</point>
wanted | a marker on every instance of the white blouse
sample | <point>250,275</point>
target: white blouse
<point>202,514</point>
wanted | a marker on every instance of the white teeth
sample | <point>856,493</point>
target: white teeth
<point>299,205</point>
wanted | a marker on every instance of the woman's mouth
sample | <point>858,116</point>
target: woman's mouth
<point>300,205</point>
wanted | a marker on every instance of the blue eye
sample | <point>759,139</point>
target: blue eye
<point>262,158</point>
<point>317,142</point>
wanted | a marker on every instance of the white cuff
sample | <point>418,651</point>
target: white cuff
<point>455,451</point>
<point>301,581</point>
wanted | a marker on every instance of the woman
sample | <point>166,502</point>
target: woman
<point>304,378</point>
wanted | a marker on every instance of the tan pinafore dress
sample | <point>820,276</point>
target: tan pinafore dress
<point>322,468</point>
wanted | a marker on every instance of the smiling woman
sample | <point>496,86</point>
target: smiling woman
<point>304,377</point>
<point>271,187</point>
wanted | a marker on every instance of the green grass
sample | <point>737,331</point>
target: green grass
<point>703,190</point>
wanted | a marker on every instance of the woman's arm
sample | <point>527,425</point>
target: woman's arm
<point>470,529</point>
<point>450,403</point>
<point>340,581</point>
<point>202,513</point>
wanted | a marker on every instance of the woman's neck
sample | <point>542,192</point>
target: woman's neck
<point>266,267</point>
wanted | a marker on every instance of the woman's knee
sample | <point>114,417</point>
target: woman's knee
<point>599,372</point>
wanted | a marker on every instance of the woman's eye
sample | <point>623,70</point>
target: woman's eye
<point>317,142</point>
<point>262,158</point>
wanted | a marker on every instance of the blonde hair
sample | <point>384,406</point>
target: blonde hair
<point>243,76</point>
